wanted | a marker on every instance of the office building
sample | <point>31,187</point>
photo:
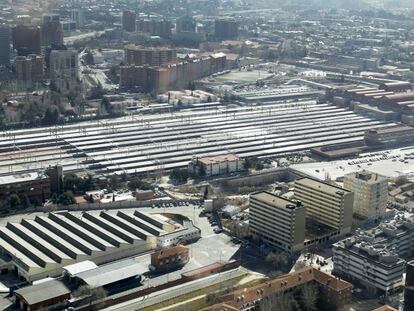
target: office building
<point>374,257</point>
<point>4,45</point>
<point>51,33</point>
<point>277,221</point>
<point>139,56</point>
<point>215,165</point>
<point>78,15</point>
<point>26,40</point>
<point>50,17</point>
<point>154,27</point>
<point>128,21</point>
<point>64,70</point>
<point>226,29</point>
<point>325,203</point>
<point>370,193</point>
<point>29,70</point>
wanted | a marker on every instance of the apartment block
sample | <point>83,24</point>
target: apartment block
<point>29,70</point>
<point>64,69</point>
<point>128,21</point>
<point>373,257</point>
<point>277,221</point>
<point>4,45</point>
<point>325,203</point>
<point>139,56</point>
<point>370,193</point>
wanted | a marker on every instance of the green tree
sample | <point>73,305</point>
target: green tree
<point>179,175</point>
<point>72,182</point>
<point>66,198</point>
<point>14,201</point>
<point>136,183</point>
<point>191,86</point>
<point>115,182</point>
<point>51,116</point>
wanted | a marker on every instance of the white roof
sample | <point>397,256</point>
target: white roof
<point>80,267</point>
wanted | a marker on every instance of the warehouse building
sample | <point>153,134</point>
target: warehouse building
<point>40,247</point>
<point>326,203</point>
<point>277,221</point>
<point>148,143</point>
<point>370,193</point>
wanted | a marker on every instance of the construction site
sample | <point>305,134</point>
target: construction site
<point>148,143</point>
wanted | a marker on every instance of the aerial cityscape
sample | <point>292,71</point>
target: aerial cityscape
<point>213,155</point>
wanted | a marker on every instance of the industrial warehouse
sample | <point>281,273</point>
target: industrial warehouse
<point>39,248</point>
<point>149,143</point>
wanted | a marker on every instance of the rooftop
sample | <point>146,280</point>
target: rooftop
<point>43,291</point>
<point>275,200</point>
<point>322,186</point>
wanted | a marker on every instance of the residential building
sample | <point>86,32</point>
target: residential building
<point>409,287</point>
<point>140,56</point>
<point>334,293</point>
<point>370,193</point>
<point>51,33</point>
<point>226,29</point>
<point>29,70</point>
<point>277,221</point>
<point>26,40</point>
<point>78,15</point>
<point>215,165</point>
<point>156,80</point>
<point>373,257</point>
<point>4,45</point>
<point>169,259</point>
<point>185,23</point>
<point>161,28</point>
<point>326,203</point>
<point>64,70</point>
<point>128,21</point>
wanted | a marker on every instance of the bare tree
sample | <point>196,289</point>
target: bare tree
<point>277,302</point>
<point>309,297</point>
<point>276,259</point>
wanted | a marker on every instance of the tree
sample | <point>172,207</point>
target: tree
<point>14,201</point>
<point>277,259</point>
<point>114,182</point>
<point>51,116</point>
<point>309,297</point>
<point>136,183</point>
<point>191,86</point>
<point>66,198</point>
<point>72,182</point>
<point>97,92</point>
<point>179,175</point>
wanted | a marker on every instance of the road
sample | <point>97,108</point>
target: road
<point>160,296</point>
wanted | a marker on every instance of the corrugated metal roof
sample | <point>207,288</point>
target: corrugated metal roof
<point>111,273</point>
<point>80,267</point>
<point>42,292</point>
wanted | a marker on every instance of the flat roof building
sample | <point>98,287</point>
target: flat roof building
<point>277,221</point>
<point>326,203</point>
<point>370,193</point>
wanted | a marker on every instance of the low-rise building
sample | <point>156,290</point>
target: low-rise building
<point>215,165</point>
<point>144,195</point>
<point>170,258</point>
